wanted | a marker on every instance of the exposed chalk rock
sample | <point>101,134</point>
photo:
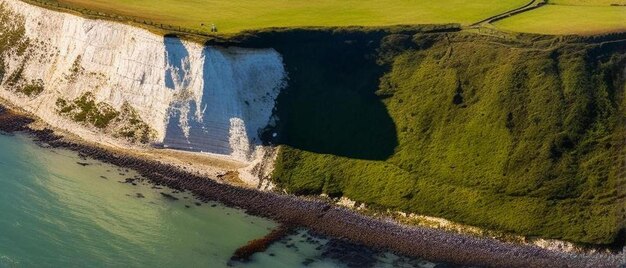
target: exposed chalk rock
<point>204,99</point>
<point>236,101</point>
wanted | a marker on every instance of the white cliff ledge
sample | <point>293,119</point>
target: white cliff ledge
<point>203,99</point>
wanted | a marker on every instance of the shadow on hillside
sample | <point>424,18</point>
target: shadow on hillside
<point>330,105</point>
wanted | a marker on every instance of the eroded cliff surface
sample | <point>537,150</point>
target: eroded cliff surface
<point>92,77</point>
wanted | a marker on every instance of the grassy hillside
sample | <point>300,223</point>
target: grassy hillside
<point>497,134</point>
<point>235,16</point>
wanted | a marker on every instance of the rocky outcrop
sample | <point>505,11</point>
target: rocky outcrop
<point>192,97</point>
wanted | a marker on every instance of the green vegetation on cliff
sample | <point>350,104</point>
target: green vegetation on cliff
<point>33,88</point>
<point>14,41</point>
<point>500,134</point>
<point>86,110</point>
<point>125,123</point>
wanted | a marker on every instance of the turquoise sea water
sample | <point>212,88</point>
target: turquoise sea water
<point>58,210</point>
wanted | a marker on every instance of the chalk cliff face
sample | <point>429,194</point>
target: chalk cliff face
<point>191,97</point>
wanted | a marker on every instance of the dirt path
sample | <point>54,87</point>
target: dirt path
<point>529,6</point>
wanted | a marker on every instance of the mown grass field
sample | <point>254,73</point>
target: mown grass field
<point>587,2</point>
<point>585,17</point>
<point>557,17</point>
<point>235,16</point>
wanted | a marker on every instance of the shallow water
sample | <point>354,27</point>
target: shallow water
<point>58,210</point>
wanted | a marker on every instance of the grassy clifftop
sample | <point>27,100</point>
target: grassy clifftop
<point>500,134</point>
<point>236,16</point>
<point>194,19</point>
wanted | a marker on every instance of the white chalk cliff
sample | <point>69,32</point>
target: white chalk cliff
<point>204,99</point>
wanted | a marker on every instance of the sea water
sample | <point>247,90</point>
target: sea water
<point>60,210</point>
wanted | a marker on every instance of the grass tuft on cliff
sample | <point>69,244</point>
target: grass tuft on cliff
<point>85,110</point>
<point>125,123</point>
<point>482,131</point>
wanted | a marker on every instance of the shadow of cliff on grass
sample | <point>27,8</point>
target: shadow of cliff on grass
<point>330,105</point>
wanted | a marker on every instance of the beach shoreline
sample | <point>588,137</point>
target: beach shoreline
<point>318,216</point>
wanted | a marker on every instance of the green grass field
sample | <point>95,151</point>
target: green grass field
<point>587,2</point>
<point>568,19</point>
<point>235,16</point>
<point>558,17</point>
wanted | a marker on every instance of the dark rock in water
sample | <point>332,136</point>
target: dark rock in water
<point>444,265</point>
<point>82,164</point>
<point>308,261</point>
<point>271,254</point>
<point>350,254</point>
<point>187,206</point>
<point>198,204</point>
<point>169,196</point>
<point>104,177</point>
<point>139,195</point>
<point>157,187</point>
<point>214,205</point>
<point>244,253</point>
